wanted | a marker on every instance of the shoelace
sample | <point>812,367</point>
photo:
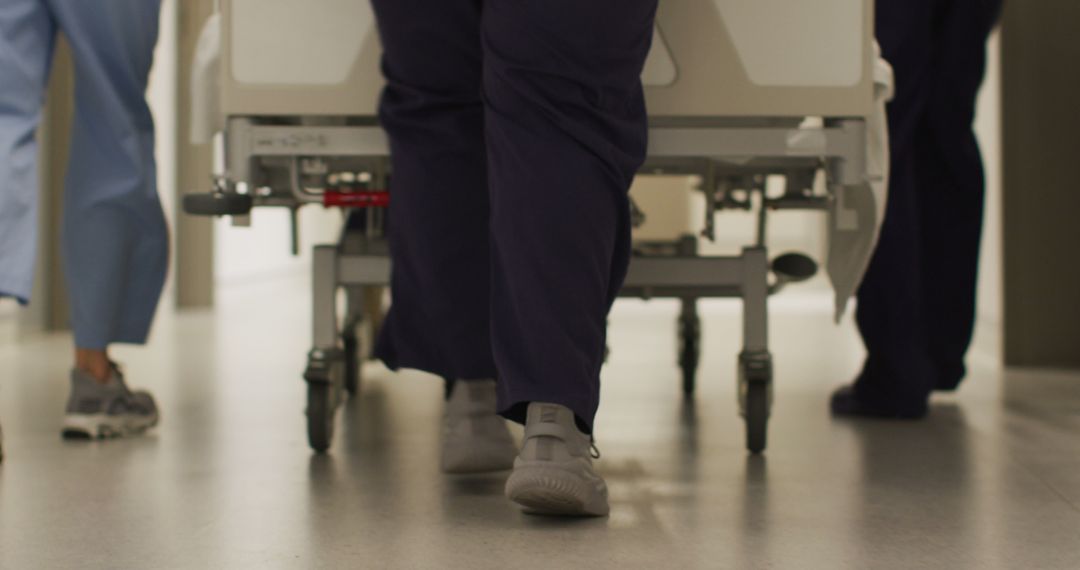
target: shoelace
<point>593,450</point>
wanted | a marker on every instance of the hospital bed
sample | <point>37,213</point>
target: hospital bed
<point>740,95</point>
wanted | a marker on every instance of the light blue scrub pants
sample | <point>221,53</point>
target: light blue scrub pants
<point>114,237</point>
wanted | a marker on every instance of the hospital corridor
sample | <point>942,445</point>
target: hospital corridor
<point>505,284</point>
<point>227,480</point>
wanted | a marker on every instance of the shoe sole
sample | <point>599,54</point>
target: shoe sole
<point>102,426</point>
<point>556,492</point>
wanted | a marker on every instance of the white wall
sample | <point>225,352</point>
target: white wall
<point>8,322</point>
<point>988,128</point>
<point>161,95</point>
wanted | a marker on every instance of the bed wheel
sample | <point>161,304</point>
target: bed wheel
<point>755,398</point>
<point>320,416</point>
<point>323,395</point>
<point>353,364</point>
<point>757,418</point>
<point>689,381</point>
<point>689,352</point>
<point>374,315</point>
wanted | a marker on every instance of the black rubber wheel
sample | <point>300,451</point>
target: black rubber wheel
<point>373,317</point>
<point>320,415</point>
<point>757,416</point>
<point>795,267</point>
<point>352,364</point>
<point>688,362</point>
<point>689,381</point>
<point>218,204</point>
<point>689,353</point>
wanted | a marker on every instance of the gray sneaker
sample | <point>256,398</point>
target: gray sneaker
<point>553,474</point>
<point>475,439</point>
<point>97,410</point>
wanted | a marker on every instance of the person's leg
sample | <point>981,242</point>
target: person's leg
<point>566,132</point>
<point>432,112</point>
<point>115,239</point>
<point>114,233</point>
<point>898,375</point>
<point>27,34</point>
<point>951,185</point>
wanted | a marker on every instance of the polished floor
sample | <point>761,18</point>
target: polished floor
<point>990,480</point>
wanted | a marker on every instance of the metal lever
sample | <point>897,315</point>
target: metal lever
<point>792,268</point>
<point>295,233</point>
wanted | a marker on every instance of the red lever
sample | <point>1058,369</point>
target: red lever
<point>363,199</point>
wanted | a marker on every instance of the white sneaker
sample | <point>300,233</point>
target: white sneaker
<point>553,474</point>
<point>475,438</point>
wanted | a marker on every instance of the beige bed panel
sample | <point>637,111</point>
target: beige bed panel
<point>701,66</point>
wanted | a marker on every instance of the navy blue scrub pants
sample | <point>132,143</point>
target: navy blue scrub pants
<point>916,307</point>
<point>516,127</point>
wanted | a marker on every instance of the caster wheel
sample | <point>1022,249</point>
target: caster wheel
<point>320,415</point>
<point>374,315</point>
<point>688,363</point>
<point>689,382</point>
<point>757,416</point>
<point>352,364</point>
<point>689,353</point>
<point>755,397</point>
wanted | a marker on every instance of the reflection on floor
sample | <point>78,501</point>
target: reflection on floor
<point>990,480</point>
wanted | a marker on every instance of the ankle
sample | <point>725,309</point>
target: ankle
<point>100,375</point>
<point>95,363</point>
<point>473,398</point>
